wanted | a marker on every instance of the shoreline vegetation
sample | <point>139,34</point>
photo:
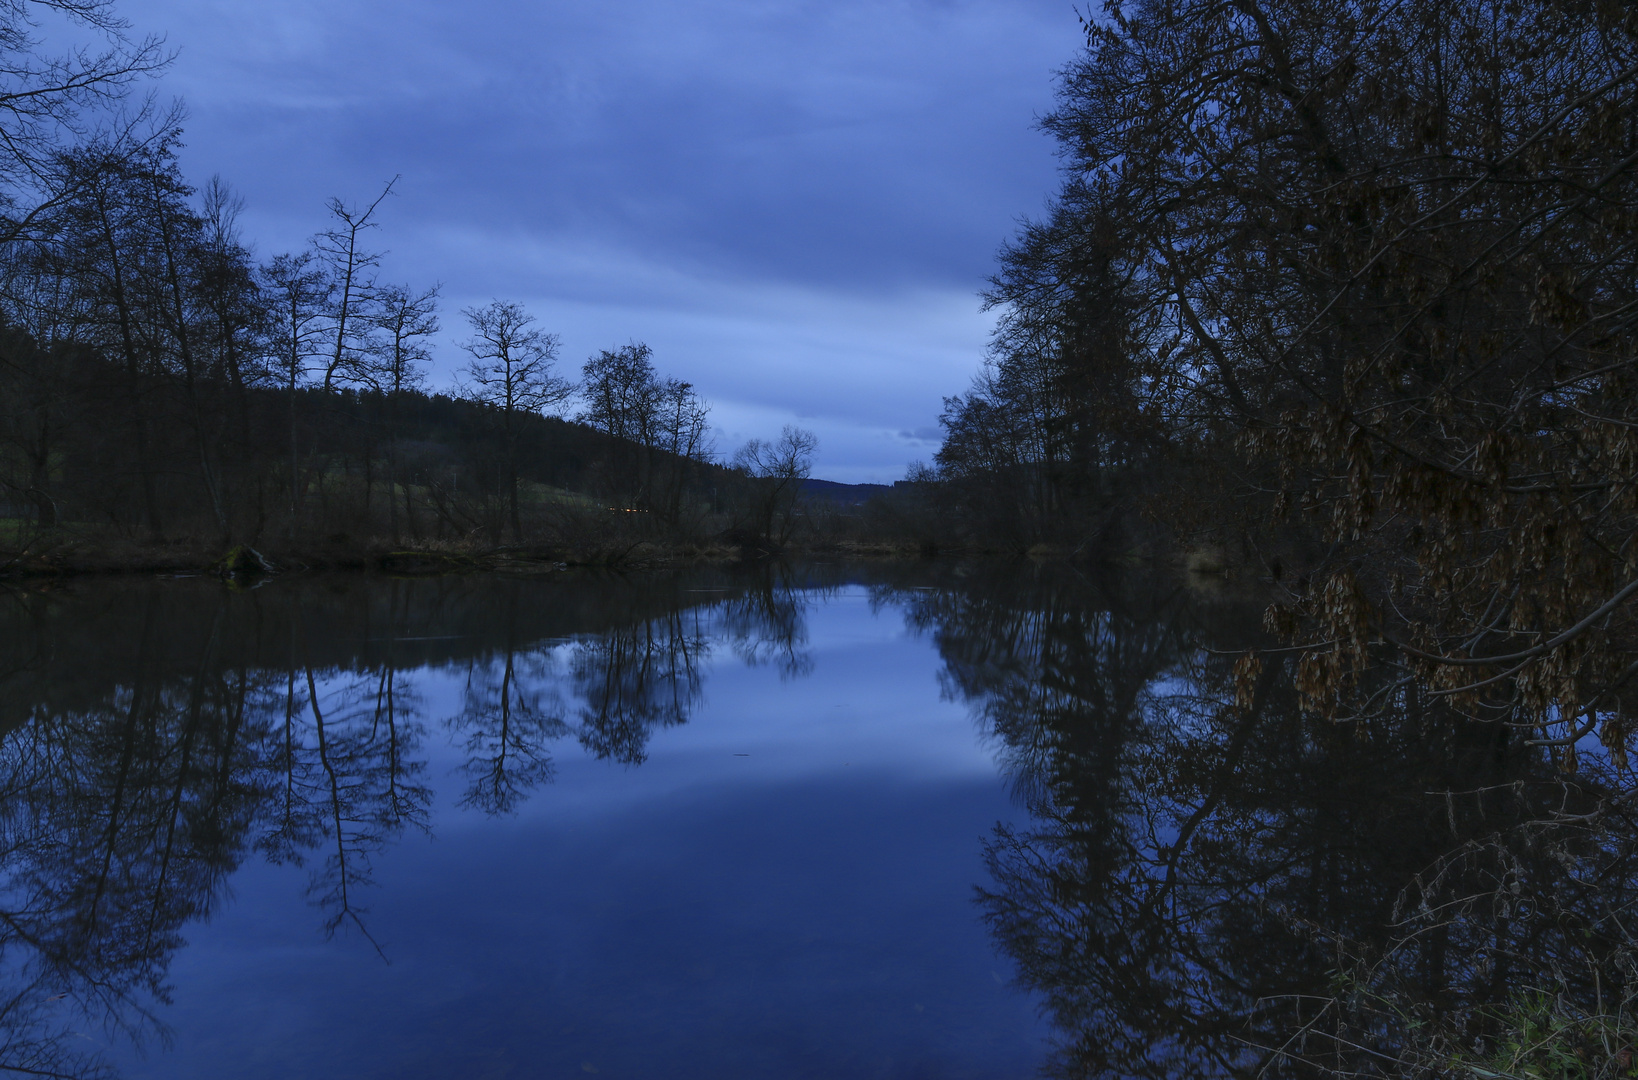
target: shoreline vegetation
<point>1337,297</point>
<point>78,555</point>
<point>75,557</point>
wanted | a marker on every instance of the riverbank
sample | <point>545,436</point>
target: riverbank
<point>77,555</point>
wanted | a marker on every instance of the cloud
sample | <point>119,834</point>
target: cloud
<point>794,202</point>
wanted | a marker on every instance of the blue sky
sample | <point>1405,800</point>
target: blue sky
<point>793,203</point>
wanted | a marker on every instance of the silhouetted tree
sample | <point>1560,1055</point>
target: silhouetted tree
<point>658,425</point>
<point>777,470</point>
<point>404,321</point>
<point>350,268</point>
<point>48,102</point>
<point>1363,273</point>
<point>298,292</point>
<point>511,373</point>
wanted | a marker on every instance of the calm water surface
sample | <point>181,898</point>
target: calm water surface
<point>917,821</point>
<point>718,824</point>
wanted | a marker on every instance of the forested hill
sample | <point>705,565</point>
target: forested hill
<point>92,445</point>
<point>160,384</point>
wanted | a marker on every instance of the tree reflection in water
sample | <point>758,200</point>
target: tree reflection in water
<point>636,679</point>
<point>153,742</point>
<point>1218,889</point>
<point>510,714</point>
<point>1213,884</point>
<point>347,782</point>
<point>768,624</point>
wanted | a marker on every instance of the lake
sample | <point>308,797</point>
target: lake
<point>906,820</point>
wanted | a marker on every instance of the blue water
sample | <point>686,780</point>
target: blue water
<point>783,887</point>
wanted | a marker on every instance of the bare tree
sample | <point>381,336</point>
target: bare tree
<point>44,100</point>
<point>225,282</point>
<point>404,321</point>
<point>778,469</point>
<point>511,371</point>
<point>618,386</point>
<point>176,242</point>
<point>659,424</point>
<point>99,249</point>
<point>350,266</point>
<point>681,435</point>
<point>298,291</point>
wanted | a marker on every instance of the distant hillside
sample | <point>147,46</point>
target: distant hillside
<point>844,494</point>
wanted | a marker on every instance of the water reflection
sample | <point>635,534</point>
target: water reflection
<point>507,723</point>
<point>1210,883</point>
<point>122,817</point>
<point>345,780</point>
<point>1216,887</point>
<point>158,735</point>
<point>637,679</point>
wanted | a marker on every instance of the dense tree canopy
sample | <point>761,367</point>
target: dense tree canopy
<point>1372,263</point>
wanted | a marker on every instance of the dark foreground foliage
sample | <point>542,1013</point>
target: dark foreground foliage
<point>1345,290</point>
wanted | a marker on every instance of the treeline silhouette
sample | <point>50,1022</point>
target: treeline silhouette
<point>158,383</point>
<point>162,385</point>
<point>1340,296</point>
